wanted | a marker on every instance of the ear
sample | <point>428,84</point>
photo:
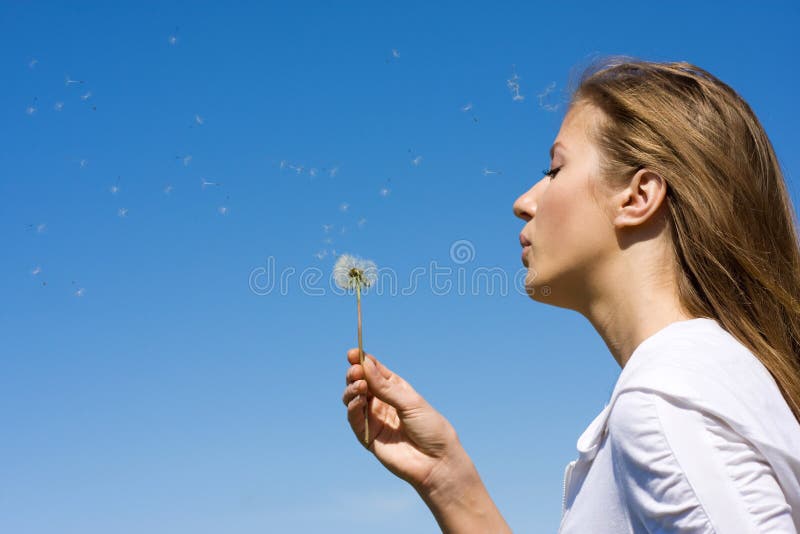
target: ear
<point>638,202</point>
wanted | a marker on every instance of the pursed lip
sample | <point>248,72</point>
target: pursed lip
<point>526,246</point>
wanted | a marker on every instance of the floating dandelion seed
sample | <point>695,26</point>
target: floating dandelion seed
<point>541,96</point>
<point>384,192</point>
<point>361,222</point>
<point>83,163</point>
<point>173,40</point>
<point>36,270</point>
<point>204,183</point>
<point>115,188</point>
<point>333,172</point>
<point>312,172</point>
<point>328,241</point>
<point>199,120</point>
<point>80,292</point>
<point>487,172</point>
<point>122,212</point>
<point>513,85</point>
<point>351,272</point>
<point>344,206</point>
<point>58,106</point>
<point>327,228</point>
<point>168,189</point>
<point>41,227</point>
<point>416,161</point>
<point>223,210</point>
<point>321,254</point>
<point>32,63</point>
<point>86,96</point>
<point>467,107</point>
<point>68,81</point>
<point>30,110</point>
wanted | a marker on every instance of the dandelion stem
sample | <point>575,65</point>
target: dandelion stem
<point>361,360</point>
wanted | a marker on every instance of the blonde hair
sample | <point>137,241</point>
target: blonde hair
<point>733,228</point>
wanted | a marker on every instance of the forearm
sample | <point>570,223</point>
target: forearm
<point>459,500</point>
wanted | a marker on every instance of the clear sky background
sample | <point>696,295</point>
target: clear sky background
<point>150,378</point>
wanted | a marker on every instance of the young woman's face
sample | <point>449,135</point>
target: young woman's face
<point>567,235</point>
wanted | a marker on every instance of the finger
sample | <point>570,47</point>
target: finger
<point>391,389</point>
<point>382,368</point>
<point>353,390</point>
<point>355,416</point>
<point>355,372</point>
<point>353,357</point>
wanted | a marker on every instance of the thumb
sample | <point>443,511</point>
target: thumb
<point>389,387</point>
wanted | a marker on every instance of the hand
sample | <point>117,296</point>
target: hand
<point>407,435</point>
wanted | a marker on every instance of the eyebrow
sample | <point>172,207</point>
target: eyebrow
<point>553,148</point>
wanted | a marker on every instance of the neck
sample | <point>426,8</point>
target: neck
<point>626,314</point>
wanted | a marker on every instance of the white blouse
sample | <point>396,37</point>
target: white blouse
<point>696,438</point>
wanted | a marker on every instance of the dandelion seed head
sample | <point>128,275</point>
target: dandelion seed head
<point>351,271</point>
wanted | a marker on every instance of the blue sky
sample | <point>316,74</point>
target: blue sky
<point>147,385</point>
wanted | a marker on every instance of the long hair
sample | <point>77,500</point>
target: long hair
<point>733,229</point>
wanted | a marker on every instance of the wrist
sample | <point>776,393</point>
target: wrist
<point>457,497</point>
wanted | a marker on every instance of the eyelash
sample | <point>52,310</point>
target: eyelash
<point>551,172</point>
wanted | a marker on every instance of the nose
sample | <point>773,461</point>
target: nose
<point>525,205</point>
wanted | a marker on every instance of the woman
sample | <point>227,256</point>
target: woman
<point>665,221</point>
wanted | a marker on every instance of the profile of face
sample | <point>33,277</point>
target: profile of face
<point>569,233</point>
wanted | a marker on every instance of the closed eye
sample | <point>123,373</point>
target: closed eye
<point>551,172</point>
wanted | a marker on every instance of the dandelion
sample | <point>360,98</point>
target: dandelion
<point>351,272</point>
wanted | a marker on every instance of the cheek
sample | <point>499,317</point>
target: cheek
<point>572,226</point>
